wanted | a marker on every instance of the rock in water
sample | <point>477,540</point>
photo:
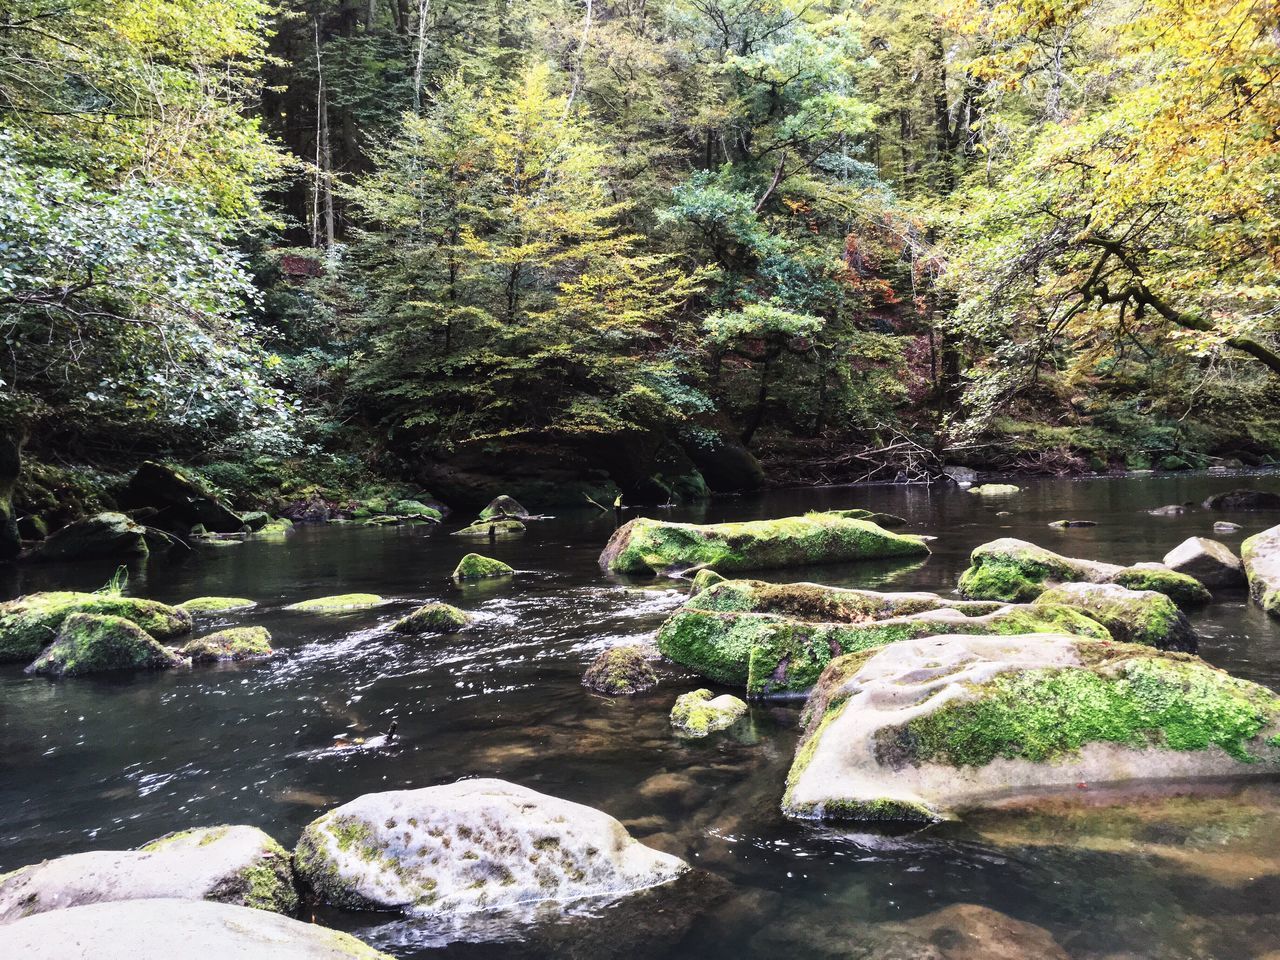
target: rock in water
<point>1065,524</point>
<point>1226,526</point>
<point>619,671</point>
<point>703,580</point>
<point>433,618</point>
<point>1132,616</point>
<point>475,567</point>
<point>181,503</point>
<point>104,535</point>
<point>1243,499</point>
<point>164,929</point>
<point>232,864</point>
<point>996,489</point>
<point>1169,510</point>
<point>469,846</point>
<point>1261,554</point>
<point>341,603</point>
<point>198,606</point>
<point>962,931</point>
<point>1212,563</point>
<point>701,712</point>
<point>90,643</point>
<point>414,508</point>
<point>644,545</point>
<point>924,729</point>
<point>502,507</point>
<point>29,624</point>
<point>483,529</point>
<point>1186,591</point>
<point>237,643</point>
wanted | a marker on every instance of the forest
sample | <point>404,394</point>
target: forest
<point>656,247</point>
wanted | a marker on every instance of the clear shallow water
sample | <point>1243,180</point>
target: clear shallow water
<point>112,763</point>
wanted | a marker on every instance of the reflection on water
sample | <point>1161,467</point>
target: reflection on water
<point>113,762</point>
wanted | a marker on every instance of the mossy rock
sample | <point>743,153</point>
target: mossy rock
<point>413,508</point>
<point>92,643</point>
<point>704,580</point>
<point>778,656</point>
<point>700,712</point>
<point>433,618</point>
<point>278,528</point>
<point>818,603</point>
<point>652,546</point>
<point>341,603</point>
<point>504,506</point>
<point>237,643</point>
<point>1261,556</point>
<point>887,520</point>
<point>498,529</point>
<point>255,520</point>
<point>475,567</point>
<point>1183,589</point>
<point>929,728</point>
<point>620,671</point>
<point>1016,571</point>
<point>995,489</point>
<point>1131,616</point>
<point>29,624</point>
<point>205,606</point>
<point>104,535</point>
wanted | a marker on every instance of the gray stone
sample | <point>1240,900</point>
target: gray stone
<point>1261,555</point>
<point>1212,563</point>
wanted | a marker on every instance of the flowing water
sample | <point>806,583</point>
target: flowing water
<point>109,763</point>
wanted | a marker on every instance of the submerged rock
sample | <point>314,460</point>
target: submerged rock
<point>198,606</point>
<point>1131,616</point>
<point>1226,526</point>
<point>1169,510</point>
<point>1064,524</point>
<point>620,670</point>
<point>29,624</point>
<point>779,655</point>
<point>164,929</point>
<point>924,729</point>
<point>180,502</point>
<point>644,545</point>
<point>701,712</point>
<point>1212,563</point>
<point>996,489</point>
<point>962,931</point>
<point>341,603</point>
<point>471,846</point>
<point>491,528</point>
<point>231,864</point>
<point>1261,555</point>
<point>433,618</point>
<point>504,507</point>
<point>92,643</point>
<point>104,535</point>
<point>475,567</point>
<point>237,643</point>
<point>1244,499</point>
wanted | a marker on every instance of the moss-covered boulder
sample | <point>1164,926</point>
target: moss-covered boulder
<point>700,712</point>
<point>29,624</point>
<point>255,520</point>
<point>339,603</point>
<point>164,929</point>
<point>237,643</point>
<point>278,528</point>
<point>772,655</point>
<point>457,849</point>
<point>995,489</point>
<point>620,671</point>
<point>229,864</point>
<point>1211,562</point>
<point>889,521</point>
<point>1261,556</point>
<point>111,536</point>
<point>651,546</point>
<point>475,567</point>
<point>819,603</point>
<point>207,606</point>
<point>1016,571</point>
<point>1186,591</point>
<point>928,728</point>
<point>504,507</point>
<point>1131,616</point>
<point>414,508</point>
<point>495,529</point>
<point>180,501</point>
<point>91,643</point>
<point>433,618</point>
<point>703,580</point>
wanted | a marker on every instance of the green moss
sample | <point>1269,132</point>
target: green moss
<point>91,643</point>
<point>338,604</point>
<point>645,545</point>
<point>238,643</point>
<point>207,605</point>
<point>703,580</point>
<point>1011,579</point>
<point>619,671</point>
<point>483,529</point>
<point>413,508</point>
<point>995,489</point>
<point>475,567</point>
<point>29,624</point>
<point>1186,591</point>
<point>818,603</point>
<point>1042,715</point>
<point>1130,616</point>
<point>433,618</point>
<point>701,712</point>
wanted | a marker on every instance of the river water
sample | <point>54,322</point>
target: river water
<point>109,763</point>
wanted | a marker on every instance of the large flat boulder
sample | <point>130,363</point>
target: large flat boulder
<point>164,929</point>
<point>471,846</point>
<point>1261,557</point>
<point>30,623</point>
<point>926,729</point>
<point>779,656</point>
<point>1211,562</point>
<point>179,501</point>
<point>231,864</point>
<point>652,546</point>
<point>111,536</point>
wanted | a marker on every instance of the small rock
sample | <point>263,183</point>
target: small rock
<point>1063,524</point>
<point>995,489</point>
<point>504,507</point>
<point>1243,499</point>
<point>1212,563</point>
<point>433,618</point>
<point>704,579</point>
<point>90,643</point>
<point>492,528</point>
<point>198,606</point>
<point>475,567</point>
<point>338,604</point>
<point>1226,526</point>
<point>620,670</point>
<point>701,712</point>
<point>238,643</point>
<point>1169,510</point>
